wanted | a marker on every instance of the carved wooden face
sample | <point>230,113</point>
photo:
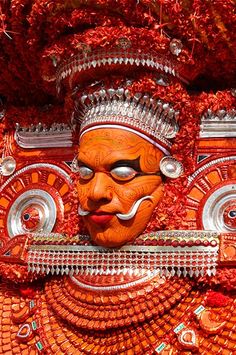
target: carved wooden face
<point>119,184</point>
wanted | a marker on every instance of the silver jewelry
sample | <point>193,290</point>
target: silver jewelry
<point>171,167</point>
<point>7,166</point>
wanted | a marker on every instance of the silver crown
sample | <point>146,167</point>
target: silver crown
<point>130,58</point>
<point>153,118</point>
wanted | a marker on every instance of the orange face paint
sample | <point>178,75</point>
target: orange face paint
<point>119,186</point>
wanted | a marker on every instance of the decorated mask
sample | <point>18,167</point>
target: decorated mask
<point>119,184</point>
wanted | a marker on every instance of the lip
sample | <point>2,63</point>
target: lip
<point>101,218</point>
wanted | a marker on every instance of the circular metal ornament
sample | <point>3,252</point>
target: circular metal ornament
<point>219,210</point>
<point>74,165</point>
<point>7,166</point>
<point>32,202</point>
<point>229,216</point>
<point>176,46</point>
<point>171,167</point>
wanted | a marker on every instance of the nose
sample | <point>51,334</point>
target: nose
<point>100,189</point>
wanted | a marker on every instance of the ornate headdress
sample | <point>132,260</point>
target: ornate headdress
<point>144,102</point>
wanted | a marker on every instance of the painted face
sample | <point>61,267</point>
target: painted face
<point>119,184</point>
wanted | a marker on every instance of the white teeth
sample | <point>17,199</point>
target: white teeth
<point>110,60</point>
<point>120,60</point>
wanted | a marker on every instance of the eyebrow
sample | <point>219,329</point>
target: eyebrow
<point>135,164</point>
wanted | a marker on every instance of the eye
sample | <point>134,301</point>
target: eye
<point>232,214</point>
<point>123,173</point>
<point>85,172</point>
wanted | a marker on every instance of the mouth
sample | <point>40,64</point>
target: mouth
<point>100,218</point>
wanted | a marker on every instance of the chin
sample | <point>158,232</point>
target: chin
<point>111,239</point>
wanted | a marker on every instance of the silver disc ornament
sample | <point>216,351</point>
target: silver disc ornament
<point>171,167</point>
<point>33,211</point>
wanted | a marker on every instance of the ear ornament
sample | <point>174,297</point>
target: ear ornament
<point>171,167</point>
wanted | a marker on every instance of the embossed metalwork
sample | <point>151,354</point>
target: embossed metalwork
<point>221,123</point>
<point>101,58</point>
<point>40,136</point>
<point>208,165</point>
<point>37,166</point>
<point>181,260</point>
<point>215,206</point>
<point>39,200</point>
<point>7,166</point>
